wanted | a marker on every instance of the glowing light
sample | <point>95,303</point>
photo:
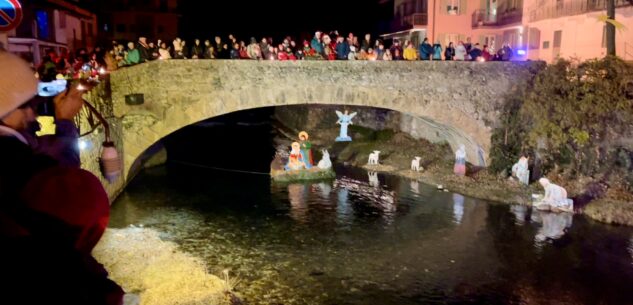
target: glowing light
<point>481,59</point>
<point>82,144</point>
<point>521,52</point>
<point>81,87</point>
<point>102,71</point>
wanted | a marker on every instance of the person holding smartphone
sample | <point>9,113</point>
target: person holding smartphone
<point>51,212</point>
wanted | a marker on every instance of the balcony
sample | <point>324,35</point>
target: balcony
<point>409,22</point>
<point>570,8</point>
<point>483,18</point>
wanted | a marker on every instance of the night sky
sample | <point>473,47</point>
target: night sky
<point>280,18</point>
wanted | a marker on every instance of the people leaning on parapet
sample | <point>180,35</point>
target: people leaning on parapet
<point>51,214</point>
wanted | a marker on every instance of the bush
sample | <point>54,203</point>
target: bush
<point>574,116</point>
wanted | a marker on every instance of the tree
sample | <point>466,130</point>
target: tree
<point>610,28</point>
<point>611,25</point>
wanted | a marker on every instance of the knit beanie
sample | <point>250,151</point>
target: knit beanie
<point>75,197</point>
<point>17,82</point>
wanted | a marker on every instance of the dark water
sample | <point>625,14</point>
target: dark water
<point>356,240</point>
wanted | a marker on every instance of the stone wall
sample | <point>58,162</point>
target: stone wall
<point>317,117</point>
<point>100,98</point>
<point>461,99</point>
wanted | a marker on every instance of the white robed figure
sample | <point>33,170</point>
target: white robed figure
<point>344,120</point>
<point>520,171</point>
<point>555,198</point>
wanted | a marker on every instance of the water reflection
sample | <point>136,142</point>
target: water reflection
<point>361,243</point>
<point>325,188</point>
<point>458,208</point>
<point>553,227</point>
<point>343,209</point>
<point>373,179</point>
<point>415,187</point>
<point>519,211</point>
<point>296,196</point>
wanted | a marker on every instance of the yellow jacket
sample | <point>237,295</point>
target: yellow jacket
<point>410,54</point>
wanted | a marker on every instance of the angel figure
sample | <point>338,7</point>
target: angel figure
<point>344,120</point>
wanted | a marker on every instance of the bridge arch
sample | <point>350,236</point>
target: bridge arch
<point>461,98</point>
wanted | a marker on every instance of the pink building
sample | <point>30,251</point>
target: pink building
<point>535,29</point>
<point>570,29</point>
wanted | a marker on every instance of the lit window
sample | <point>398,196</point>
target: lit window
<point>41,18</point>
<point>452,7</point>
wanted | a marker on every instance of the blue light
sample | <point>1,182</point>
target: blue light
<point>41,18</point>
<point>521,52</point>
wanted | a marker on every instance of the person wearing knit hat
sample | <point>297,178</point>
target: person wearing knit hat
<point>64,214</point>
<point>51,212</point>
<point>18,86</point>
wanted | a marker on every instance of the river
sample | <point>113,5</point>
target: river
<point>364,238</point>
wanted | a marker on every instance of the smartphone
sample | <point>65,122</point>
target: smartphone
<point>47,89</point>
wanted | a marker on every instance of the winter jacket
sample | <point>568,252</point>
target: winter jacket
<point>437,52</point>
<point>425,51</point>
<point>317,46</point>
<point>410,54</point>
<point>133,57</point>
<point>342,50</point>
<point>449,53</point>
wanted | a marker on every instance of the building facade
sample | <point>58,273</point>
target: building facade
<point>51,25</point>
<point>571,29</point>
<point>126,20</point>
<point>534,29</point>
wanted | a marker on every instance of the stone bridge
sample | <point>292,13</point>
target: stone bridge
<point>460,98</point>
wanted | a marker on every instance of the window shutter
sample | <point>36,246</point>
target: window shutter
<point>443,7</point>
<point>462,7</point>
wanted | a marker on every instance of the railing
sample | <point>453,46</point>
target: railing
<point>570,8</point>
<point>408,22</point>
<point>486,18</point>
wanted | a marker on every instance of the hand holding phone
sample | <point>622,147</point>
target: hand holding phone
<point>69,103</point>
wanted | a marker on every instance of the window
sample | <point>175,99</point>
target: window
<point>489,40</point>
<point>534,38</point>
<point>41,18</point>
<point>545,44</point>
<point>161,29</point>
<point>163,5</point>
<point>120,28</point>
<point>452,7</point>
<point>558,37</point>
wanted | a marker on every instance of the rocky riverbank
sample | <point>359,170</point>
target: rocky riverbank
<point>155,272</point>
<point>398,149</point>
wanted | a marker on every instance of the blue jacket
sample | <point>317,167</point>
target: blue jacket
<point>317,45</point>
<point>342,50</point>
<point>425,51</point>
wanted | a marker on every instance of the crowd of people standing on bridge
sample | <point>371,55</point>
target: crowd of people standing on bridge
<point>322,46</point>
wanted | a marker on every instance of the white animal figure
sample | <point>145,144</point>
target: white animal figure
<point>373,179</point>
<point>325,162</point>
<point>373,158</point>
<point>415,164</point>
